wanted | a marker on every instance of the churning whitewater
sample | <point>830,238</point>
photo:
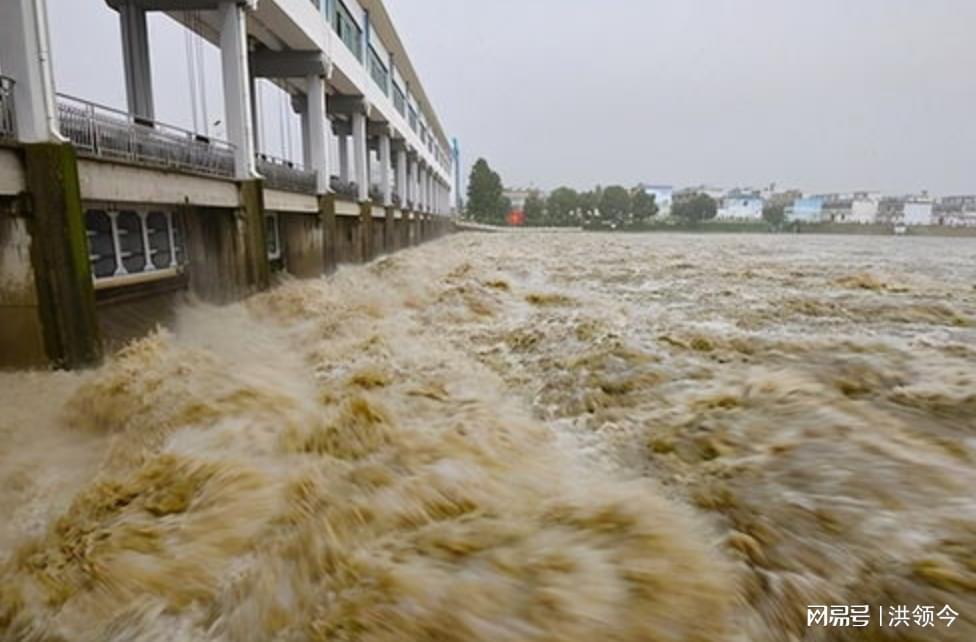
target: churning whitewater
<point>517,437</point>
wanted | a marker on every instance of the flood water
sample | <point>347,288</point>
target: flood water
<point>516,437</point>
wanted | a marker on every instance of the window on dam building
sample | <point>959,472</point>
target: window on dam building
<point>133,241</point>
<point>272,235</point>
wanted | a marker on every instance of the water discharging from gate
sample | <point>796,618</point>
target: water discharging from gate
<point>508,438</point>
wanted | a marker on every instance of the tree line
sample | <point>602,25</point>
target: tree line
<point>614,206</point>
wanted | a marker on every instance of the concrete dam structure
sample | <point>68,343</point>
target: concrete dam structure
<point>108,218</point>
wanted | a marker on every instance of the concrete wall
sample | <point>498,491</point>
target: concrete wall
<point>222,240</point>
<point>214,255</point>
<point>12,178</point>
<point>303,244</point>
<point>117,183</point>
<point>21,337</point>
<point>348,242</point>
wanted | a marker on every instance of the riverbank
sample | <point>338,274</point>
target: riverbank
<point>749,227</point>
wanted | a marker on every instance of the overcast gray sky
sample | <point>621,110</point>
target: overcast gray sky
<point>826,95</point>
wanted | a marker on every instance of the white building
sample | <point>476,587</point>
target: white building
<point>741,206</point>
<point>955,211</point>
<point>663,197</point>
<point>851,207</point>
<point>918,212</point>
<point>906,210</point>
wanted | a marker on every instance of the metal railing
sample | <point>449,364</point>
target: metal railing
<point>345,189</point>
<point>103,132</point>
<point>286,175</point>
<point>7,128</point>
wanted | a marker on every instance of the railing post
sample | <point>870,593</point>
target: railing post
<point>93,130</point>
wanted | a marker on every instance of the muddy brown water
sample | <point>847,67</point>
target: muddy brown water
<point>546,437</point>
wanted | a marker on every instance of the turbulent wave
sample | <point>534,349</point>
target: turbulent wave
<point>539,437</point>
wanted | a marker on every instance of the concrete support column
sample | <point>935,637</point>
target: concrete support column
<point>251,236</point>
<point>26,56</point>
<point>401,176</point>
<point>59,257</point>
<point>330,231</point>
<point>306,139</point>
<point>412,182</point>
<point>360,156</point>
<point>317,140</point>
<point>344,174</point>
<point>384,157</point>
<point>421,192</point>
<point>237,99</point>
<point>135,57</point>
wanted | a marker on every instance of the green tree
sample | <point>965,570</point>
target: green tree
<point>615,204</point>
<point>696,208</point>
<point>562,206</point>
<point>774,214</point>
<point>502,209</point>
<point>643,205</point>
<point>485,202</point>
<point>534,210</point>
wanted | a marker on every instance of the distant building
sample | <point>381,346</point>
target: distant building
<point>906,210</point>
<point>741,205</point>
<point>716,193</point>
<point>851,207</point>
<point>517,197</point>
<point>784,198</point>
<point>663,197</point>
<point>918,212</point>
<point>955,211</point>
<point>806,210</point>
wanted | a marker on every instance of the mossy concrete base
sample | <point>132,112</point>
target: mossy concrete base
<point>366,231</point>
<point>251,228</point>
<point>389,231</point>
<point>59,256</point>
<point>330,229</point>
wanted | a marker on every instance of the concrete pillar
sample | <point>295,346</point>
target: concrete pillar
<point>411,181</point>
<point>26,56</point>
<point>255,112</point>
<point>237,99</point>
<point>401,176</point>
<point>251,236</point>
<point>421,192</point>
<point>318,128</point>
<point>330,230</point>
<point>360,158</point>
<point>306,139</point>
<point>59,256</point>
<point>343,158</point>
<point>135,58</point>
<point>384,157</point>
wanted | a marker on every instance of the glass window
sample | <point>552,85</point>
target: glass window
<point>159,249</point>
<point>101,247</point>
<point>129,226</point>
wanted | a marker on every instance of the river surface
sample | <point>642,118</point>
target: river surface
<point>517,437</point>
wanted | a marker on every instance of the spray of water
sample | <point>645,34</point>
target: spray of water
<point>552,437</point>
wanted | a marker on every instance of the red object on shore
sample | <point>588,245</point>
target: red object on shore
<point>515,218</point>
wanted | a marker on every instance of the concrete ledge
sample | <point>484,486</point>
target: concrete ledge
<point>113,182</point>
<point>346,208</point>
<point>378,212</point>
<point>12,178</point>
<point>279,201</point>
